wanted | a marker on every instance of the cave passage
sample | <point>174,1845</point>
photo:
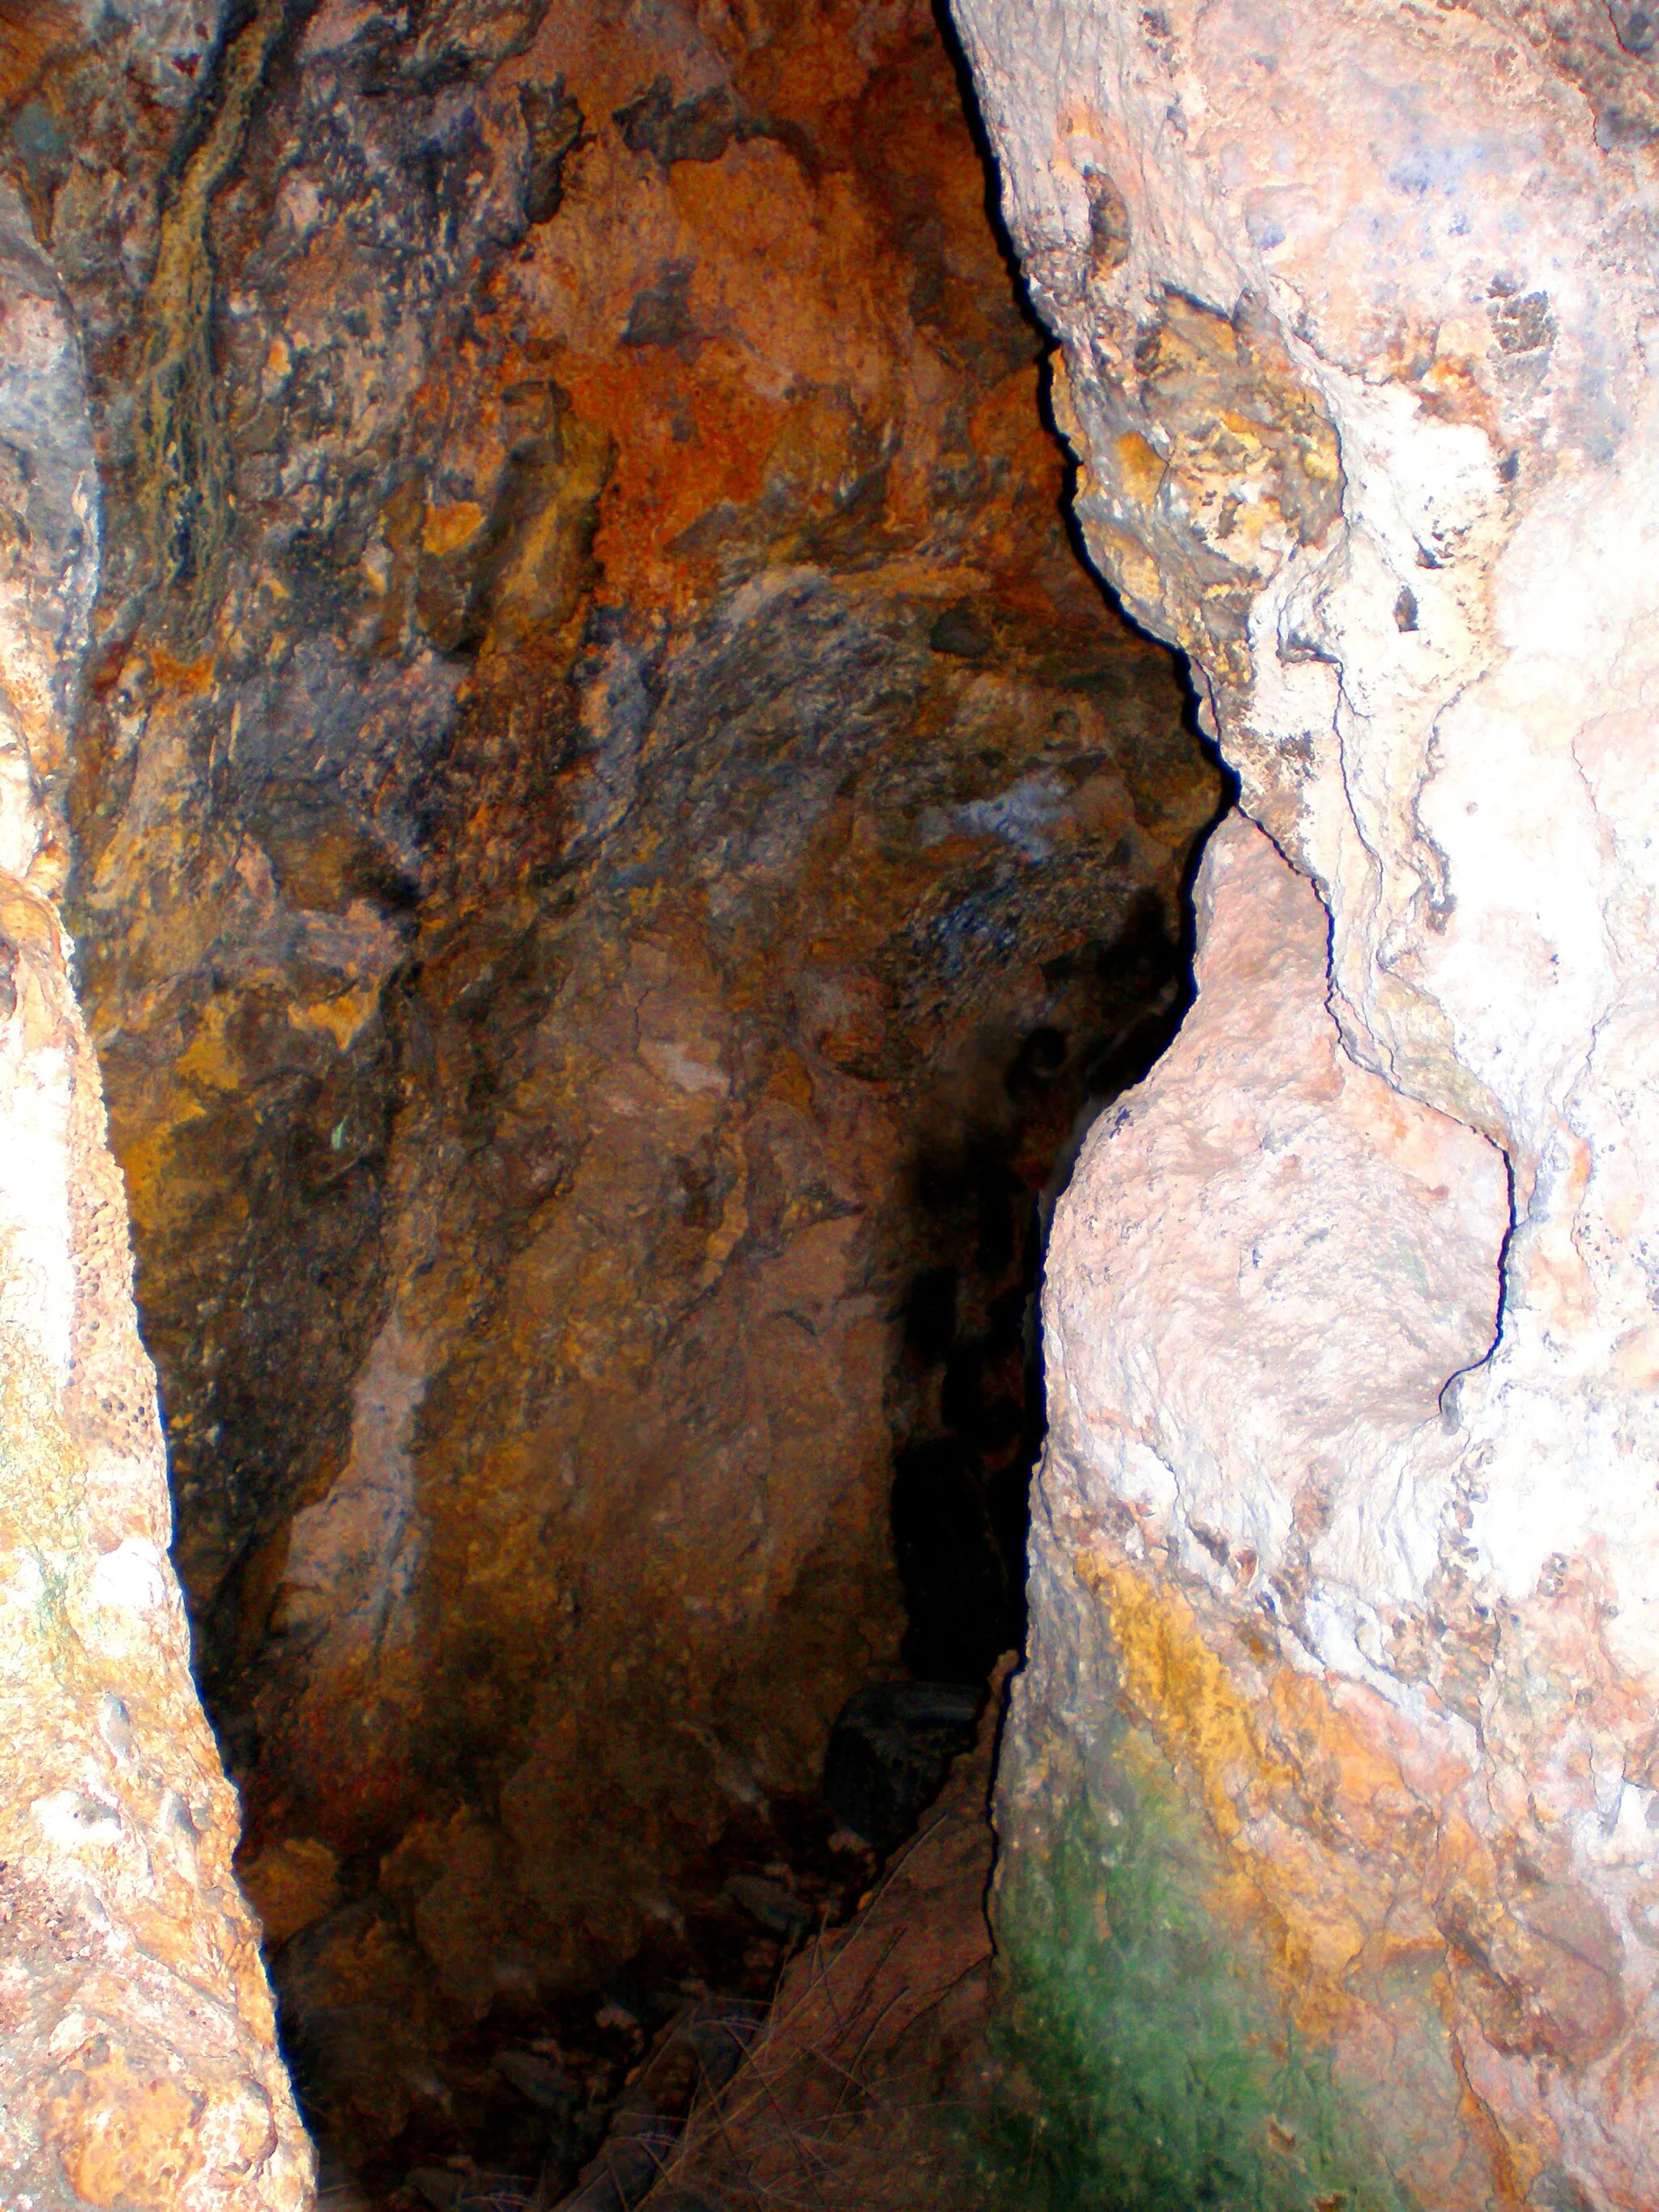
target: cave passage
<point>970,1389</point>
<point>582,849</point>
<point>617,849</point>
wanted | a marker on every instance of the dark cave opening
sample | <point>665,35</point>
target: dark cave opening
<point>608,910</point>
<point>973,1356</point>
<point>599,2083</point>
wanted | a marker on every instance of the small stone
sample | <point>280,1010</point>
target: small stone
<point>115,1726</point>
<point>538,2079</point>
<point>440,2188</point>
<point>770,1903</point>
<point>888,1754</point>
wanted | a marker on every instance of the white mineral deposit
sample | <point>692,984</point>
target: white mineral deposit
<point>1352,1307</point>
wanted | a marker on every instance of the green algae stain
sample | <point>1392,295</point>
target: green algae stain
<point>1144,2064</point>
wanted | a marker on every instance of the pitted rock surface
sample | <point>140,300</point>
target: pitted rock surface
<point>1355,305</point>
<point>138,2057</point>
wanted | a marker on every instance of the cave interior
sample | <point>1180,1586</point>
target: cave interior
<point>615,847</point>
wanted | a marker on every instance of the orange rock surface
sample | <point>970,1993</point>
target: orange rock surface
<point>600,754</point>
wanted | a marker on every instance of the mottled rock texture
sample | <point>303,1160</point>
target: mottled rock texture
<point>1352,1505</point>
<point>137,2057</point>
<point>612,838</point>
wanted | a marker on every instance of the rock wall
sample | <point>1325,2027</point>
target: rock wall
<point>138,2057</point>
<point>612,840</point>
<point>1345,1574</point>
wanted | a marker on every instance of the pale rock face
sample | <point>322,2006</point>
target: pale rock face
<point>1355,310</point>
<point>138,2064</point>
<point>1270,1264</point>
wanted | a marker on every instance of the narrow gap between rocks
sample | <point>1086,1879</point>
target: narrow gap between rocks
<point>619,848</point>
<point>585,2102</point>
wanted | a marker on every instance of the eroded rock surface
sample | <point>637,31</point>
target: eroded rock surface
<point>1356,310</point>
<point>613,841</point>
<point>137,2055</point>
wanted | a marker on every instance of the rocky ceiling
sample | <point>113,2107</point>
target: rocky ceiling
<point>611,839</point>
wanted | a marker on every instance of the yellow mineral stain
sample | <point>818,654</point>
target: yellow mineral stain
<point>1064,405</point>
<point>791,1080</point>
<point>183,679</point>
<point>1141,466</point>
<point>126,2134</point>
<point>343,1016</point>
<point>448,529</point>
<point>1129,558</point>
<point>1270,1778</point>
<point>1172,1681</point>
<point>210,1060</point>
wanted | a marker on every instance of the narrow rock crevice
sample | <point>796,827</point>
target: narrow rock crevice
<point>615,849</point>
<point>568,785</point>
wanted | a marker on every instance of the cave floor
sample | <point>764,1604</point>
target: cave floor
<point>845,2062</point>
<point>870,2085</point>
<point>780,1875</point>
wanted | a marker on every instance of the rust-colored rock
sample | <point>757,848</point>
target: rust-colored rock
<point>611,838</point>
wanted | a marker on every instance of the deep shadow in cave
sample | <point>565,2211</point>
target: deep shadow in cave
<point>607,906</point>
<point>591,2092</point>
<point>971,1382</point>
<point>987,1170</point>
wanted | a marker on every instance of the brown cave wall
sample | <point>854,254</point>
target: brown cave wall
<point>612,837</point>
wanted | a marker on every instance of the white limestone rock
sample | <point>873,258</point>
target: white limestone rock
<point>1355,306</point>
<point>138,2060</point>
<point>1267,1265</point>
